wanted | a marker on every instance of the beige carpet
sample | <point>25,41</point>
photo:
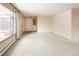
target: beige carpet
<point>43,44</point>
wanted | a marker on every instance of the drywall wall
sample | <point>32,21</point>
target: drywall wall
<point>44,24</point>
<point>20,24</point>
<point>61,24</point>
<point>29,24</point>
<point>75,23</point>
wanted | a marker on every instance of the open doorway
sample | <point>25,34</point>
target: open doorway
<point>31,24</point>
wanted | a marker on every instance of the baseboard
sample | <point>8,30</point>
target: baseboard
<point>29,31</point>
<point>62,35</point>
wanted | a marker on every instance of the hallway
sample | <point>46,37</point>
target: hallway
<point>42,44</point>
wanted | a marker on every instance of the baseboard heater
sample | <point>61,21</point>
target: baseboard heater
<point>7,46</point>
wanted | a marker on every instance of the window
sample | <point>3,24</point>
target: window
<point>6,22</point>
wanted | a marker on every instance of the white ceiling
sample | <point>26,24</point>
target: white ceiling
<point>44,9</point>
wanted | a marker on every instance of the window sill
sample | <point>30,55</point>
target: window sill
<point>5,37</point>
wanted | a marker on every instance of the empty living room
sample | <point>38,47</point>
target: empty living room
<point>39,29</point>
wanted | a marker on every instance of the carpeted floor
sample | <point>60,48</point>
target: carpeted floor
<point>43,44</point>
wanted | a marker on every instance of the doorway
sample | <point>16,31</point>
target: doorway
<point>31,24</point>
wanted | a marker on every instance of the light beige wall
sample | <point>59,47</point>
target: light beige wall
<point>20,24</point>
<point>29,24</point>
<point>61,24</point>
<point>23,23</point>
<point>75,23</point>
<point>44,23</point>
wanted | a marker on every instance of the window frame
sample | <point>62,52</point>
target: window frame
<point>13,16</point>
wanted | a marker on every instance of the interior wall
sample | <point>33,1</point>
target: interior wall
<point>20,24</point>
<point>29,24</point>
<point>75,23</point>
<point>61,24</point>
<point>65,24</point>
<point>44,24</point>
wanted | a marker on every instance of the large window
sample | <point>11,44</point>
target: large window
<point>6,22</point>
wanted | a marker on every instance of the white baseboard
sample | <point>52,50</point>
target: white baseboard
<point>69,38</point>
